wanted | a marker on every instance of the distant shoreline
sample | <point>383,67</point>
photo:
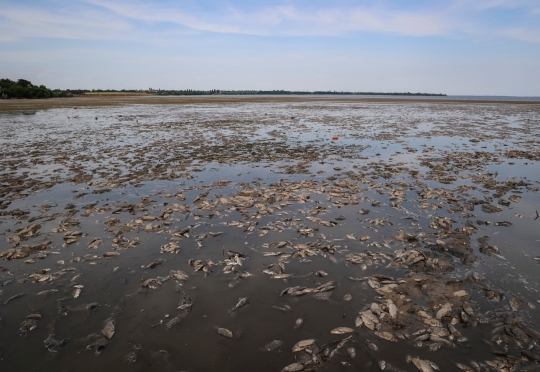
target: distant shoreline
<point>218,92</point>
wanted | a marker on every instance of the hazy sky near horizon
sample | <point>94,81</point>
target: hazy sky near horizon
<point>471,47</point>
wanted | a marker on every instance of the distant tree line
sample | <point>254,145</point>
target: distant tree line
<point>190,92</point>
<point>25,89</point>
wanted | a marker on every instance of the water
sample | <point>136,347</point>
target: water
<point>127,162</point>
<point>389,96</point>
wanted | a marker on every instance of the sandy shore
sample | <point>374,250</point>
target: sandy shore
<point>25,104</point>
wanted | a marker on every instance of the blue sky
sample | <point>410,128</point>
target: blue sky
<point>477,47</point>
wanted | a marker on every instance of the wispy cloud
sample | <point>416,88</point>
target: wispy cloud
<point>101,19</point>
<point>523,34</point>
<point>283,20</point>
<point>494,4</point>
<point>78,22</point>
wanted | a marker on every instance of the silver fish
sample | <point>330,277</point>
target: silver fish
<point>225,332</point>
<point>14,297</point>
<point>371,345</point>
<point>341,330</point>
<point>295,367</point>
<point>241,302</point>
<point>301,345</point>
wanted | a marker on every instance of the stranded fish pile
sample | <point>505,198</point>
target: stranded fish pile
<point>239,236</point>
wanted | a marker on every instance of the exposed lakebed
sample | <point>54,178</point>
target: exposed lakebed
<point>240,236</point>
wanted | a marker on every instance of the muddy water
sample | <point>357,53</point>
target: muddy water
<point>417,205</point>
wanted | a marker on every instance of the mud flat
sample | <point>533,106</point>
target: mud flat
<point>206,234</point>
<point>97,100</point>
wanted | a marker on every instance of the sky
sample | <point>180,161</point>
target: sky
<point>457,47</point>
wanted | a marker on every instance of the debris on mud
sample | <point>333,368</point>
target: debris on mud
<point>328,254</point>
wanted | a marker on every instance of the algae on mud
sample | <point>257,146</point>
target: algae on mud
<point>239,236</point>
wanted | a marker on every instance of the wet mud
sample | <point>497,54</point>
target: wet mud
<point>240,236</point>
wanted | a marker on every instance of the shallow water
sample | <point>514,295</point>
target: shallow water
<point>127,162</point>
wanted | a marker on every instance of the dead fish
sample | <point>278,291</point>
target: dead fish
<point>241,302</point>
<point>285,308</point>
<point>444,311</point>
<point>347,297</point>
<point>29,324</point>
<point>301,345</point>
<point>186,304</point>
<point>468,309</point>
<point>273,345</point>
<point>47,292</point>
<point>530,355</point>
<point>358,322</point>
<point>77,291</point>
<point>371,345</point>
<point>434,346</point>
<point>225,332</point>
<point>386,336</point>
<point>422,337</point>
<point>341,330</point>
<point>294,367</point>
<point>440,340</point>
<point>179,275</point>
<point>515,303</point>
<point>461,293</point>
<point>76,277</point>
<point>111,254</point>
<point>281,276</point>
<point>298,323</point>
<point>369,319</point>
<point>14,297</point>
<point>173,322</point>
<point>95,243</point>
<point>153,264</point>
<point>392,309</point>
<point>92,306</point>
<point>97,346</point>
<point>272,254</point>
<point>373,283</point>
<point>328,223</point>
<point>352,352</point>
<point>453,330</point>
<point>464,368</point>
<point>422,365</point>
<point>53,345</point>
<point>108,330</point>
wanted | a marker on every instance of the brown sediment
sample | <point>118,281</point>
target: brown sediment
<point>96,100</point>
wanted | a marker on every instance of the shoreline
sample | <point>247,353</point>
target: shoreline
<point>38,104</point>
